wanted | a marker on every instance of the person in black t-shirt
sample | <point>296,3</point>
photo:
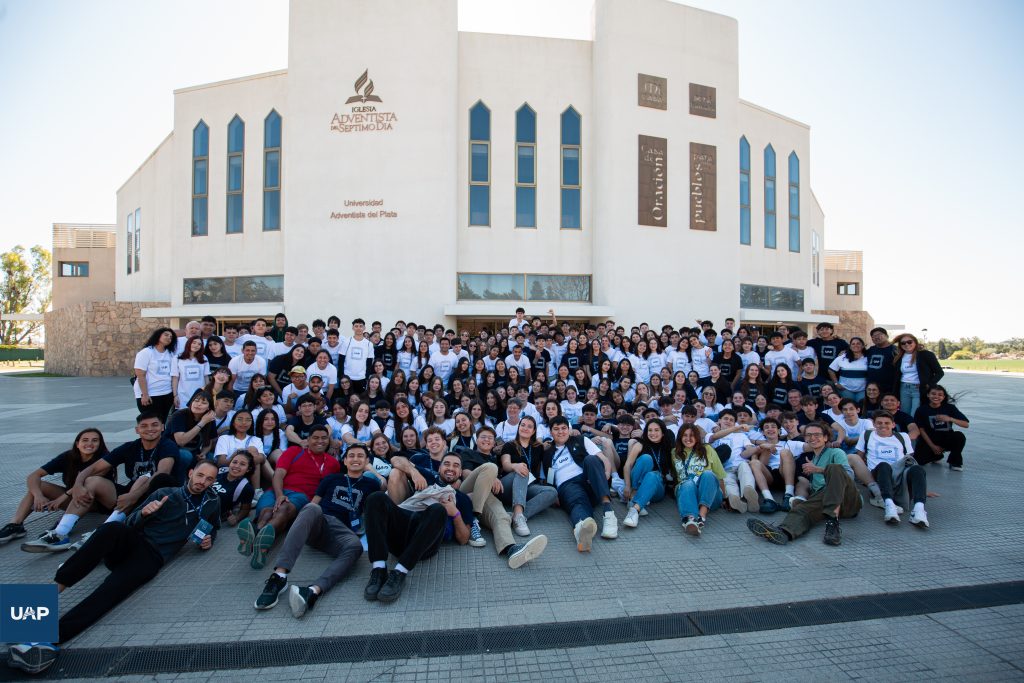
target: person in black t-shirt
<point>148,462</point>
<point>300,426</point>
<point>881,357</point>
<point>44,496</point>
<point>192,428</point>
<point>936,420</point>
<point>828,347</point>
<point>234,488</point>
<point>904,421</point>
<point>331,523</point>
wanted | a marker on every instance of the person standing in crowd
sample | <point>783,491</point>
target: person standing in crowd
<point>917,371</point>
<point>190,372</point>
<point>246,366</point>
<point>849,371</point>
<point>881,360</point>
<point>154,367</point>
<point>358,356</point>
<point>827,347</point>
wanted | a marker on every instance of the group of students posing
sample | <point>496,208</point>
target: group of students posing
<point>396,443</point>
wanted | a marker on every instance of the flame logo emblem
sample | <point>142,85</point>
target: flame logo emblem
<point>364,85</point>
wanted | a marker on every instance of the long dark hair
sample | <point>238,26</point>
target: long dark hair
<point>700,449</point>
<point>849,349</point>
<point>187,353</point>
<point>662,452</point>
<point>257,430</point>
<point>154,339</point>
<point>75,462</point>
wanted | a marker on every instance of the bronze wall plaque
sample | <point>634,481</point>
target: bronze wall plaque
<point>702,100</point>
<point>652,184</point>
<point>703,187</point>
<point>652,91</point>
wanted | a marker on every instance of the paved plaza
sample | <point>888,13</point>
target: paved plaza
<point>470,594</point>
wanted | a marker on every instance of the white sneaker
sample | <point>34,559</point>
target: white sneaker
<point>737,504</point>
<point>892,513</point>
<point>750,494</point>
<point>632,518</point>
<point>584,532</point>
<point>618,485</point>
<point>877,501</point>
<point>610,528</point>
<point>643,512</point>
<point>519,524</point>
<point>691,527</point>
<point>919,519</point>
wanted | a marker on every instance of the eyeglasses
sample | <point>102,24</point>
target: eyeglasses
<point>908,342</point>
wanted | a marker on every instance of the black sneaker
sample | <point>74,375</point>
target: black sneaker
<point>393,587</point>
<point>11,532</point>
<point>767,531</point>
<point>833,534</point>
<point>272,589</point>
<point>301,599</point>
<point>378,576</point>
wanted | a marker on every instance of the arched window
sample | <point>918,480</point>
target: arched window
<point>200,177</point>
<point>571,140</point>
<point>479,165</point>
<point>236,173</point>
<point>272,171</point>
<point>744,191</point>
<point>526,167</point>
<point>769,197</point>
<point>794,202</point>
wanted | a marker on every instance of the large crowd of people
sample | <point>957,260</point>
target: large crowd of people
<point>395,441</point>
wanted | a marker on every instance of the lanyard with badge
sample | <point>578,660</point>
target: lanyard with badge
<point>353,519</point>
<point>202,528</point>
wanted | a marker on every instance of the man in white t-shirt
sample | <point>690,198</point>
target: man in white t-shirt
<point>443,360</point>
<point>799,344</point>
<point>264,345</point>
<point>519,360</point>
<point>286,346</point>
<point>889,458</point>
<point>243,367</point>
<point>778,353</point>
<point>579,470</point>
<point>734,450</point>
<point>358,354</point>
<point>192,329</point>
<point>518,322</point>
<point>334,344</point>
<point>231,344</point>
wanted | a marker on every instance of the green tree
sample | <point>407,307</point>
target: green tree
<point>25,288</point>
<point>941,351</point>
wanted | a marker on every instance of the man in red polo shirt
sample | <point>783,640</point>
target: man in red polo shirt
<point>298,473</point>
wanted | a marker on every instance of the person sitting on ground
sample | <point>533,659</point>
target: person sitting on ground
<point>147,461</point>
<point>299,472</point>
<point>413,532</point>
<point>698,478</point>
<point>578,469</point>
<point>521,486</point>
<point>648,456</point>
<point>734,450</point>
<point>240,438</point>
<point>192,429</point>
<point>889,457</point>
<point>936,419</point>
<point>833,496</point>
<point>135,549</point>
<point>234,488</point>
<point>44,496</point>
<point>773,466</point>
<point>331,523</point>
<point>477,464</point>
<point>305,420</point>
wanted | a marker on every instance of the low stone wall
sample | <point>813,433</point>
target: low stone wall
<point>851,324</point>
<point>99,338</point>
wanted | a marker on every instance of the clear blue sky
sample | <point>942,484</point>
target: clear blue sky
<point>914,107</point>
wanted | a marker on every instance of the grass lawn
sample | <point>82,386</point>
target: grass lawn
<point>1000,365</point>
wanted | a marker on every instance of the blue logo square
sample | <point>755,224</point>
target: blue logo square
<point>28,613</point>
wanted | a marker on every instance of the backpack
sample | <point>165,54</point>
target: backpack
<point>899,437</point>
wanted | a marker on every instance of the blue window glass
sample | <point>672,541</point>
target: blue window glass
<point>570,127</point>
<point>129,249</point>
<point>479,168</point>
<point>525,168</point>
<point>570,207</point>
<point>479,165</point>
<point>479,205</point>
<point>272,171</point>
<point>236,135</point>
<point>236,156</point>
<point>526,207</point>
<point>200,177</point>
<point>794,202</point>
<point>769,198</point>
<point>234,221</point>
<point>272,130</point>
<point>526,124</point>
<point>744,191</point>
<point>235,173</point>
<point>570,166</point>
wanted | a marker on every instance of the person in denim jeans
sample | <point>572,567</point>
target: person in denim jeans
<point>699,476</point>
<point>642,471</point>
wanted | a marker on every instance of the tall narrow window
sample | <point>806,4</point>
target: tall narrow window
<point>794,202</point>
<point>236,162</point>
<point>526,167</point>
<point>571,140</point>
<point>129,248</point>
<point>272,171</point>
<point>200,178</point>
<point>744,191</point>
<point>815,259</point>
<point>769,197</point>
<point>479,165</point>
<point>138,237</point>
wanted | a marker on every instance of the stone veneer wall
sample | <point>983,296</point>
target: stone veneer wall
<point>851,324</point>
<point>99,338</point>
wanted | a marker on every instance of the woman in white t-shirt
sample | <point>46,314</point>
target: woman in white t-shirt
<point>572,408</point>
<point>700,357</point>
<point>680,357</point>
<point>154,368</point>
<point>408,360</point>
<point>850,371</point>
<point>266,400</point>
<point>323,368</point>
<point>190,372</point>
<point>239,438</point>
<point>268,430</point>
<point>360,427</point>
